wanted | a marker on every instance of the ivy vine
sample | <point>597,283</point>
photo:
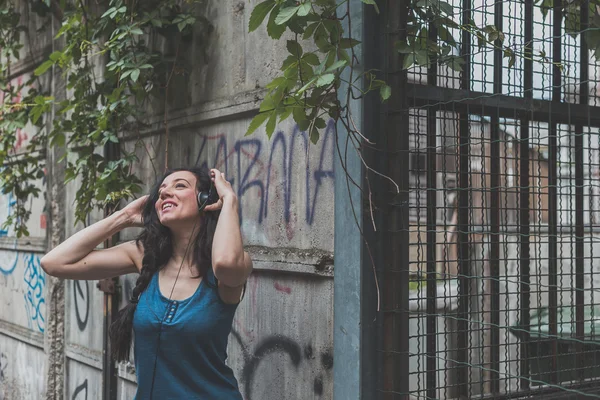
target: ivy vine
<point>111,74</point>
<point>308,85</point>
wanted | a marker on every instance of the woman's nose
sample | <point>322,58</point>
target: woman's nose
<point>165,193</point>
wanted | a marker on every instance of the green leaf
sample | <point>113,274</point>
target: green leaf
<point>422,58</point>
<point>55,56</point>
<point>372,2</point>
<point>311,58</point>
<point>310,29</point>
<point>270,127</point>
<point>108,12</point>
<point>126,74</point>
<point>409,60</point>
<point>285,114</point>
<point>291,72</point>
<point>336,65</point>
<point>273,30</point>
<point>294,48</point>
<point>446,8</point>
<point>259,13</point>
<point>456,63</point>
<point>135,75</point>
<point>257,121</point>
<point>385,91</point>
<point>314,134</point>
<point>508,53</point>
<point>286,14</point>
<point>58,140</point>
<point>325,80</point>
<point>277,82</point>
<point>445,35</point>
<point>43,67</point>
<point>347,43</point>
<point>299,116</point>
<point>307,85</point>
<point>304,9</point>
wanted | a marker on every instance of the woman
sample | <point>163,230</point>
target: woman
<point>193,270</point>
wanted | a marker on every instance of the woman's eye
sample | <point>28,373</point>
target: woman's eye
<point>179,185</point>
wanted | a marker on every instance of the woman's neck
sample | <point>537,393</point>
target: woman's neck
<point>183,246</point>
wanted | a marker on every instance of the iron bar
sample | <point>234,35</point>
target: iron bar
<point>395,289</point>
<point>495,215</point>
<point>479,103</point>
<point>431,229</point>
<point>464,264</point>
<point>524,202</point>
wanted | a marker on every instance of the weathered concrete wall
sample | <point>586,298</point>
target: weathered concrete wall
<point>23,284</point>
<point>281,345</point>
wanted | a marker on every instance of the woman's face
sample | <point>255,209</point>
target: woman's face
<point>177,198</point>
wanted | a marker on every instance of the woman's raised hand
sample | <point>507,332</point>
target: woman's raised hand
<point>133,211</point>
<point>223,188</point>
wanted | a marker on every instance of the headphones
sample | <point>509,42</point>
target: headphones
<point>206,198</point>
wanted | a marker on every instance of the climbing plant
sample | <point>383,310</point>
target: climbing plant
<point>112,72</point>
<point>321,50</point>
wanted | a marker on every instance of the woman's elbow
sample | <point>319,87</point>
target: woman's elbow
<point>49,267</point>
<point>230,272</point>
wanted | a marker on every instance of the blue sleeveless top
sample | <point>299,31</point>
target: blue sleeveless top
<point>190,361</point>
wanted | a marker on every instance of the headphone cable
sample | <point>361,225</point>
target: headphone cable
<point>167,309</point>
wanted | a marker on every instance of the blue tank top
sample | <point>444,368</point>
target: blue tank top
<point>190,362</point>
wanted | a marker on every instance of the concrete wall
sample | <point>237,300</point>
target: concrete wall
<point>281,345</point>
<point>23,284</point>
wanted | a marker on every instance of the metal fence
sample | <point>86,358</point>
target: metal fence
<point>491,278</point>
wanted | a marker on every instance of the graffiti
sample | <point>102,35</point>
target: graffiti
<point>80,389</point>
<point>10,202</point>
<point>282,288</point>
<point>255,175</point>
<point>3,365</point>
<point>280,344</point>
<point>35,303</point>
<point>8,263</point>
<point>82,303</point>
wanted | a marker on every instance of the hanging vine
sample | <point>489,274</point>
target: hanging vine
<point>111,74</point>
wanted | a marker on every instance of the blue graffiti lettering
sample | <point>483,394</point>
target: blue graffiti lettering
<point>321,174</point>
<point>285,150</point>
<point>35,303</point>
<point>245,183</point>
<point>10,202</point>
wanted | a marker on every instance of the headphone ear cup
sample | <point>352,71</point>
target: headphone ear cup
<point>203,198</point>
<point>207,197</point>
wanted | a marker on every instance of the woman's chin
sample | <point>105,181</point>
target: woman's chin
<point>173,221</point>
<point>168,220</point>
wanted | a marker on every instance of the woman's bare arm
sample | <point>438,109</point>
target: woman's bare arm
<point>231,264</point>
<point>76,257</point>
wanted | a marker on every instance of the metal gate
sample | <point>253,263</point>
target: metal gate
<point>491,268</point>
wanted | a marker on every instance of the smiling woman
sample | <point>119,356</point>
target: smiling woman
<point>193,270</point>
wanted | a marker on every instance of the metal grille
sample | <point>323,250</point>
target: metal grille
<point>492,289</point>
